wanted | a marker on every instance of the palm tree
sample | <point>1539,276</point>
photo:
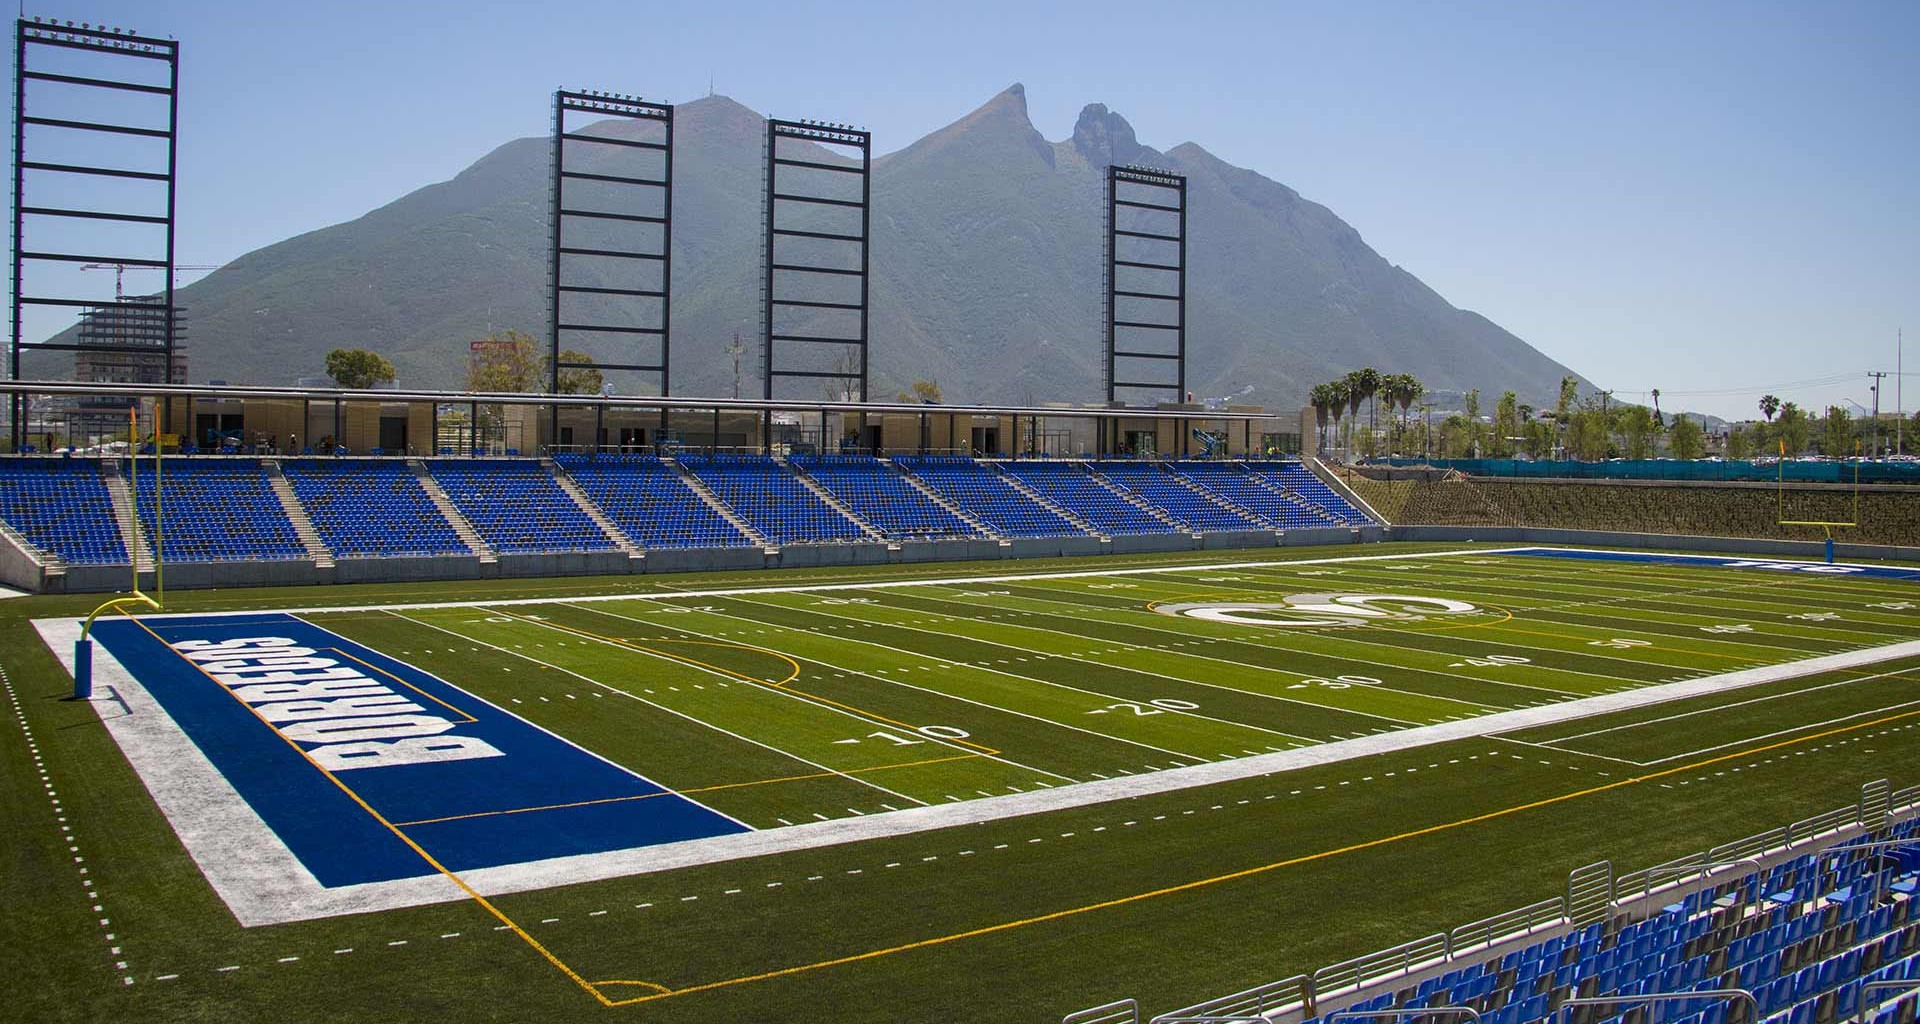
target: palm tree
<point>1404,389</point>
<point>1658,420</point>
<point>1370,384</point>
<point>1769,405</point>
<point>1356,396</point>
<point>1321,397</point>
<point>1340,393</point>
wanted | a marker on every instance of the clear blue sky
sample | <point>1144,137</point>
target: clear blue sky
<point>1694,197</point>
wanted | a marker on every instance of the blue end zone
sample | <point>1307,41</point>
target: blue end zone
<point>1881,572</point>
<point>417,751</point>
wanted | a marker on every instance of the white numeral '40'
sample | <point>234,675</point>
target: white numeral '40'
<point>1497,660</point>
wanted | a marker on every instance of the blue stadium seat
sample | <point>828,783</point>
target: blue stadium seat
<point>517,507</point>
<point>985,495</point>
<point>217,509</point>
<point>650,502</point>
<point>370,508</point>
<point>1071,486</point>
<point>770,499</point>
<point>61,505</point>
<point>880,496</point>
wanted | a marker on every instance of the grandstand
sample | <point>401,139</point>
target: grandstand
<point>367,508</point>
<point>648,500</point>
<point>1813,923</point>
<point>517,506</point>
<point>770,499</point>
<point>218,509</point>
<point>61,506</point>
<point>989,498</point>
<point>1192,507</point>
<point>881,497</point>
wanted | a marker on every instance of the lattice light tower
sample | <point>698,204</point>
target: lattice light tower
<point>612,234</point>
<point>131,140</point>
<point>1146,282</point>
<point>816,294</point>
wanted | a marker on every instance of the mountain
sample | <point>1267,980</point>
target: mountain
<point>986,272</point>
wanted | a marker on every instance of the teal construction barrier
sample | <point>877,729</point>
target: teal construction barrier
<point>1805,472</point>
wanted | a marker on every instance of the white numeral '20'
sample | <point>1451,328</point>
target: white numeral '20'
<point>1159,705</point>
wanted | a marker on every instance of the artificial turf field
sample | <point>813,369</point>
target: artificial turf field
<point>967,722</point>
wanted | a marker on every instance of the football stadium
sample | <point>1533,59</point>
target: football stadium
<point>574,696</point>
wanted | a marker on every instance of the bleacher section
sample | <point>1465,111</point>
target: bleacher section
<point>369,508</point>
<point>61,505</point>
<point>986,496</point>
<point>218,509</point>
<point>650,502</point>
<point>877,493</point>
<point>1156,485</point>
<point>225,508</point>
<point>1298,479</point>
<point>1068,485</point>
<point>770,499</point>
<point>516,506</point>
<point>1805,936</point>
<point>1249,491</point>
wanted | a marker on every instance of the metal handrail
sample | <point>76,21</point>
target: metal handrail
<point>1404,1012</point>
<point>1883,985</point>
<point>1665,997</point>
<point>1120,1011</point>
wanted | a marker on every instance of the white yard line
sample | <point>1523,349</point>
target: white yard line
<point>804,588</point>
<point>1724,707</point>
<point>655,704</point>
<point>267,885</point>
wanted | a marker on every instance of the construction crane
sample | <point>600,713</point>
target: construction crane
<point>120,272</point>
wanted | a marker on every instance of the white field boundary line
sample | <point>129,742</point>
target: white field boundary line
<point>805,588</point>
<point>263,883</point>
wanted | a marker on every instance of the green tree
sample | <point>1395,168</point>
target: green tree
<point>1456,437</point>
<point>1539,434</point>
<point>1474,428</point>
<point>1639,429</point>
<point>505,362</point>
<point>1837,433</point>
<point>1794,429</point>
<point>1403,389</point>
<point>1740,443</point>
<point>1356,397</point>
<point>1686,438</point>
<point>583,378</point>
<point>1506,426</point>
<point>358,368</point>
<point>927,391</point>
<point>1588,436</point>
<point>1769,405</point>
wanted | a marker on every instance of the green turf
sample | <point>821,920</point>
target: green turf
<point>747,702</point>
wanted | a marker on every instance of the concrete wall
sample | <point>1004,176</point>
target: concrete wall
<point>18,570</point>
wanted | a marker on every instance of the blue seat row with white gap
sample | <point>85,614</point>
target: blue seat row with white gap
<point>61,505</point>
<point>878,494</point>
<point>217,509</point>
<point>1234,483</point>
<point>987,496</point>
<point>650,502</point>
<point>1070,486</point>
<point>517,507</point>
<point>1297,478</point>
<point>1156,485</point>
<point>370,508</point>
<point>770,498</point>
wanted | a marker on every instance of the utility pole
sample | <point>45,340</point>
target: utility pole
<point>734,349</point>
<point>1876,375</point>
<point>1899,391</point>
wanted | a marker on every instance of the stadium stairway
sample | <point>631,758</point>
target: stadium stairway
<point>941,500</point>
<point>123,514</point>
<point>872,532</point>
<point>712,500</point>
<point>1217,498</point>
<point>1135,500</point>
<point>468,535</point>
<point>1044,502</point>
<point>592,511</point>
<point>297,515</point>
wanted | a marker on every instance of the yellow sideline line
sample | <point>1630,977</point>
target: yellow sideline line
<point>472,893</point>
<point>1244,873</point>
<point>688,792</point>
